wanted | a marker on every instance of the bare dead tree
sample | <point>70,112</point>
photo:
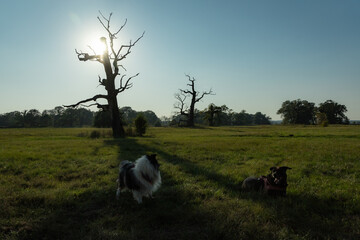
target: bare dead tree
<point>195,97</point>
<point>181,106</point>
<point>111,60</point>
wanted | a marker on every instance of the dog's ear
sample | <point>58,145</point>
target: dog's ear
<point>286,168</point>
<point>151,156</point>
<point>273,168</point>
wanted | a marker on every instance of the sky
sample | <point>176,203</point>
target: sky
<point>253,54</point>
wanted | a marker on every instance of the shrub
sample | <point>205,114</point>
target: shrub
<point>95,134</point>
<point>321,119</point>
<point>129,131</point>
<point>140,125</point>
<point>325,123</point>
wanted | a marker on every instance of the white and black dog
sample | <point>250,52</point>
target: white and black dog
<point>142,177</point>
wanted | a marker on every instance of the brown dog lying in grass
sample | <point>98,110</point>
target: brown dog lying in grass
<point>274,184</point>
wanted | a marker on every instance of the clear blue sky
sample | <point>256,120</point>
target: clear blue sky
<point>253,54</point>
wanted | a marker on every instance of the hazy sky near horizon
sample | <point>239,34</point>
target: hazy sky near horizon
<point>253,54</point>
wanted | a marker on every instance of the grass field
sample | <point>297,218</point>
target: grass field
<point>60,184</point>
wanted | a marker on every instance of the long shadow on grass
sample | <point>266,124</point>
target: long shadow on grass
<point>178,212</point>
<point>301,214</point>
<point>96,214</point>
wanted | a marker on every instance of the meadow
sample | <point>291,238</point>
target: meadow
<point>60,184</point>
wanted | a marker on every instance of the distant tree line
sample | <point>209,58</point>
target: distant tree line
<point>304,112</point>
<point>57,117</point>
<point>128,116</point>
<point>222,116</point>
<point>71,117</point>
<point>293,112</point>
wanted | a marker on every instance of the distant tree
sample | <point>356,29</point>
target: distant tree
<point>261,119</point>
<point>298,112</point>
<point>321,119</point>
<point>129,115</point>
<point>111,62</point>
<point>102,119</point>
<point>214,114</point>
<point>150,117</point>
<point>222,117</point>
<point>140,125</point>
<point>158,123</point>
<point>165,121</point>
<point>210,113</point>
<point>195,97</point>
<point>242,118</point>
<point>32,118</point>
<point>335,112</point>
<point>47,119</point>
<point>12,120</point>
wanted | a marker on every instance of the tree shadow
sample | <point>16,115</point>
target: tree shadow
<point>177,212</point>
<point>301,213</point>
<point>96,214</point>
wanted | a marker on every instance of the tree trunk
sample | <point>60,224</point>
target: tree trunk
<point>191,121</point>
<point>116,123</point>
<point>117,126</point>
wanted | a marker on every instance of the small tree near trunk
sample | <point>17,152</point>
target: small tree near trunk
<point>111,60</point>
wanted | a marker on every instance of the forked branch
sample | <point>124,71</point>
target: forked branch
<point>180,105</point>
<point>124,50</point>
<point>127,84</point>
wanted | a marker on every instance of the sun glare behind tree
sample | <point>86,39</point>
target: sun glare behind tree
<point>97,45</point>
<point>104,52</point>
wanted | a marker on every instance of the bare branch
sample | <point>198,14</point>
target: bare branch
<point>210,92</point>
<point>107,20</point>
<point>119,65</point>
<point>102,81</point>
<point>191,80</point>
<point>121,28</point>
<point>107,28</point>
<point>127,83</point>
<point>92,49</point>
<point>185,91</point>
<point>121,57</point>
<point>98,105</point>
<point>85,56</point>
<point>181,103</point>
<point>88,100</point>
<point>117,56</point>
<point>105,17</point>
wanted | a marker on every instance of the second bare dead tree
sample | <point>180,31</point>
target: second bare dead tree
<point>111,60</point>
<point>195,97</point>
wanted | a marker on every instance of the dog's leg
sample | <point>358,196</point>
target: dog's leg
<point>149,195</point>
<point>118,193</point>
<point>137,196</point>
<point>118,189</point>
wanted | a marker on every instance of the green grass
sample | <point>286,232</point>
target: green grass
<point>60,184</point>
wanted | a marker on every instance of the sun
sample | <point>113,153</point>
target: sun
<point>97,45</point>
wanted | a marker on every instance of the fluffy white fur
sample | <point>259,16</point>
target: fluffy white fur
<point>143,167</point>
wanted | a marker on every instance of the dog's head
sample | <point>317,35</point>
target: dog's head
<point>278,176</point>
<point>152,159</point>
